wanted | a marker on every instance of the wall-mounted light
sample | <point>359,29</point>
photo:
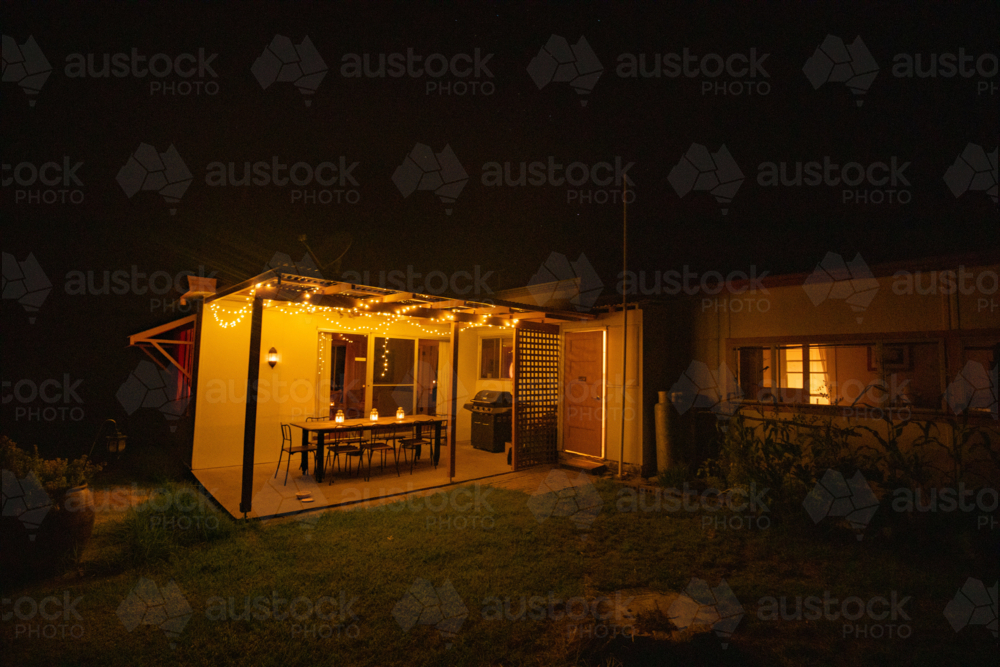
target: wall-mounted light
<point>272,357</point>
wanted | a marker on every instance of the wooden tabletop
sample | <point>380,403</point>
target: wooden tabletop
<point>330,425</point>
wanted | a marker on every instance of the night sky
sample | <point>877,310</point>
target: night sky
<point>234,231</point>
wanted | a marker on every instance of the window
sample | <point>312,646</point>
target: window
<point>393,381</point>
<point>495,359</point>
<point>876,374</point>
<point>978,389</point>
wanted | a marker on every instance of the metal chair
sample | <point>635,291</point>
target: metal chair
<point>341,445</point>
<point>288,446</point>
<point>380,438</point>
<point>415,444</point>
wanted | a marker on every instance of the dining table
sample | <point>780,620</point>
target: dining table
<point>361,426</point>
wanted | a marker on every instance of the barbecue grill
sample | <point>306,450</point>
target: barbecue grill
<point>491,419</point>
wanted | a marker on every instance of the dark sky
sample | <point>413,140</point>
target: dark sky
<point>510,231</point>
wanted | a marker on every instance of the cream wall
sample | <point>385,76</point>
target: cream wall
<point>612,324</point>
<point>222,384</point>
<point>469,384</point>
<point>287,393</point>
<point>896,307</point>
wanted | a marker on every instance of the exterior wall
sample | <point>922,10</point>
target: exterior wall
<point>634,413</point>
<point>221,391</point>
<point>902,308</point>
<point>287,392</point>
<point>470,343</point>
<point>896,307</point>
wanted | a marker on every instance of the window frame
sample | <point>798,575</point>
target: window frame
<point>479,358</point>
<point>952,345</point>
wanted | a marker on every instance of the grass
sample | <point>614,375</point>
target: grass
<point>365,561</point>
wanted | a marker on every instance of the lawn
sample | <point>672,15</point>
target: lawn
<point>480,576</point>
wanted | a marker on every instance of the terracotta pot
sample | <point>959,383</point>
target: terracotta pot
<point>29,552</point>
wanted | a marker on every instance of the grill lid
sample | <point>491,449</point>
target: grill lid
<point>491,398</point>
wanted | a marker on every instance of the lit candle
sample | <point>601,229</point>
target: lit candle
<point>339,418</point>
<point>374,415</point>
<point>400,413</point>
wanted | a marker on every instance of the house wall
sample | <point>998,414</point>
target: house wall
<point>288,391</point>
<point>905,304</point>
<point>896,307</point>
<point>222,384</point>
<point>634,412</point>
<point>469,349</point>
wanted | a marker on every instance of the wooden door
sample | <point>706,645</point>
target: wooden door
<point>583,393</point>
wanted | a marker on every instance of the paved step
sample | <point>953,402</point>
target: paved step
<point>589,466</point>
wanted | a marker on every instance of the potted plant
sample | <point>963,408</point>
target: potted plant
<point>48,510</point>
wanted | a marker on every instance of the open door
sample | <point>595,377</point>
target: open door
<point>348,363</point>
<point>583,393</point>
<point>427,370</point>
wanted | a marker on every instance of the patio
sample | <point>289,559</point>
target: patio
<point>271,497</point>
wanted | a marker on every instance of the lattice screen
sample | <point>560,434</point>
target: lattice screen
<point>536,394</point>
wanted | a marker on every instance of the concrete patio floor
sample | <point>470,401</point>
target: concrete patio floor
<point>272,497</point>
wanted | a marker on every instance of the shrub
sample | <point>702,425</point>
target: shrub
<point>176,516</point>
<point>55,475</point>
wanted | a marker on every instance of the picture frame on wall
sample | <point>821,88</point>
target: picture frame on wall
<point>894,358</point>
